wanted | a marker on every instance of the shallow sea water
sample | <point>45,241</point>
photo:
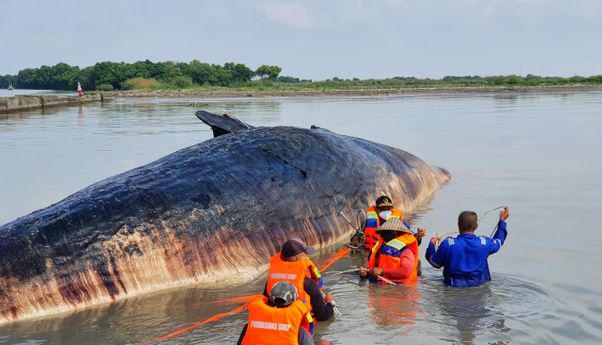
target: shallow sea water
<point>538,153</point>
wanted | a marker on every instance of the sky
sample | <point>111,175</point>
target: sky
<point>313,39</point>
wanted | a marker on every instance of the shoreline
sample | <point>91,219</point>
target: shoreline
<point>240,93</point>
<point>10,104</point>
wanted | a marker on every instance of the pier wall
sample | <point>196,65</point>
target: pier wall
<point>27,102</point>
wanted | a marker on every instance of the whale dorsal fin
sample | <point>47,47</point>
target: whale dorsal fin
<point>221,124</point>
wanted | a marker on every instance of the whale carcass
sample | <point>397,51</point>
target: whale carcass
<point>206,214</point>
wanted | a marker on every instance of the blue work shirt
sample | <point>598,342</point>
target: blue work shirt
<point>464,258</point>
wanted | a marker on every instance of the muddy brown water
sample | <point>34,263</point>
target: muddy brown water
<point>538,153</point>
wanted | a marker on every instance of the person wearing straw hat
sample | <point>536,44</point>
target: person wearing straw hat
<point>464,257</point>
<point>377,214</point>
<point>280,318</point>
<point>395,258</point>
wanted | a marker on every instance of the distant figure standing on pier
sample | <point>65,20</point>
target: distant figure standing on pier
<point>80,91</point>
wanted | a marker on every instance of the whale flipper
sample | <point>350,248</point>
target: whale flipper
<point>222,124</point>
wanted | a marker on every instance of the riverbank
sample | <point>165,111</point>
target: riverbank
<point>301,92</point>
<point>28,102</point>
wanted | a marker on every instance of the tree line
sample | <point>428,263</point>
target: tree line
<point>146,74</point>
<point>114,75</point>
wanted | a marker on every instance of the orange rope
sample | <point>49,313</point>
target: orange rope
<point>246,299</point>
<point>242,299</point>
<point>339,255</point>
<point>206,321</point>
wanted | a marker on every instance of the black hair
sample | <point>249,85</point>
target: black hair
<point>467,221</point>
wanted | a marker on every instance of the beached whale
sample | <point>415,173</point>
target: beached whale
<point>206,214</point>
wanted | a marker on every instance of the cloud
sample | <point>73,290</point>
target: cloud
<point>293,14</point>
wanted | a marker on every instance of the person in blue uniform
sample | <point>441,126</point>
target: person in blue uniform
<point>464,257</point>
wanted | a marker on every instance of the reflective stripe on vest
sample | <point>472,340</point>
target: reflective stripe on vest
<point>273,326</point>
<point>387,255</point>
<point>309,321</point>
<point>373,222</point>
<point>393,248</point>
<point>314,273</point>
<point>371,219</point>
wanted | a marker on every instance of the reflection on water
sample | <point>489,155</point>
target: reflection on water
<point>471,310</point>
<point>537,153</point>
<point>391,306</point>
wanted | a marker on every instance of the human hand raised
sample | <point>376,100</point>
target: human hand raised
<point>436,240</point>
<point>420,233</point>
<point>505,213</point>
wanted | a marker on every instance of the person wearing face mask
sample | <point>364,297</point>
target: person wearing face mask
<point>293,264</point>
<point>395,256</point>
<point>379,213</point>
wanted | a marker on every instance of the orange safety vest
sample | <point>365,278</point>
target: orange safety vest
<point>295,273</point>
<point>386,255</point>
<point>373,222</point>
<point>274,326</point>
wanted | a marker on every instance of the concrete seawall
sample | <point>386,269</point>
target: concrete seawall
<point>26,102</point>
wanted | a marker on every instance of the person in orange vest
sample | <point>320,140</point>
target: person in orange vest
<point>293,264</point>
<point>395,258</point>
<point>379,213</point>
<point>278,319</point>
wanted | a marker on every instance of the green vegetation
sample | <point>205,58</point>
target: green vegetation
<point>104,87</point>
<point>283,83</point>
<point>267,71</point>
<point>140,84</point>
<point>196,75</point>
<point>121,75</point>
<point>181,83</point>
<point>450,82</point>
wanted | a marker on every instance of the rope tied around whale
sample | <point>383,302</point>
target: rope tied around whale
<point>360,218</point>
<point>357,239</point>
<point>247,300</point>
